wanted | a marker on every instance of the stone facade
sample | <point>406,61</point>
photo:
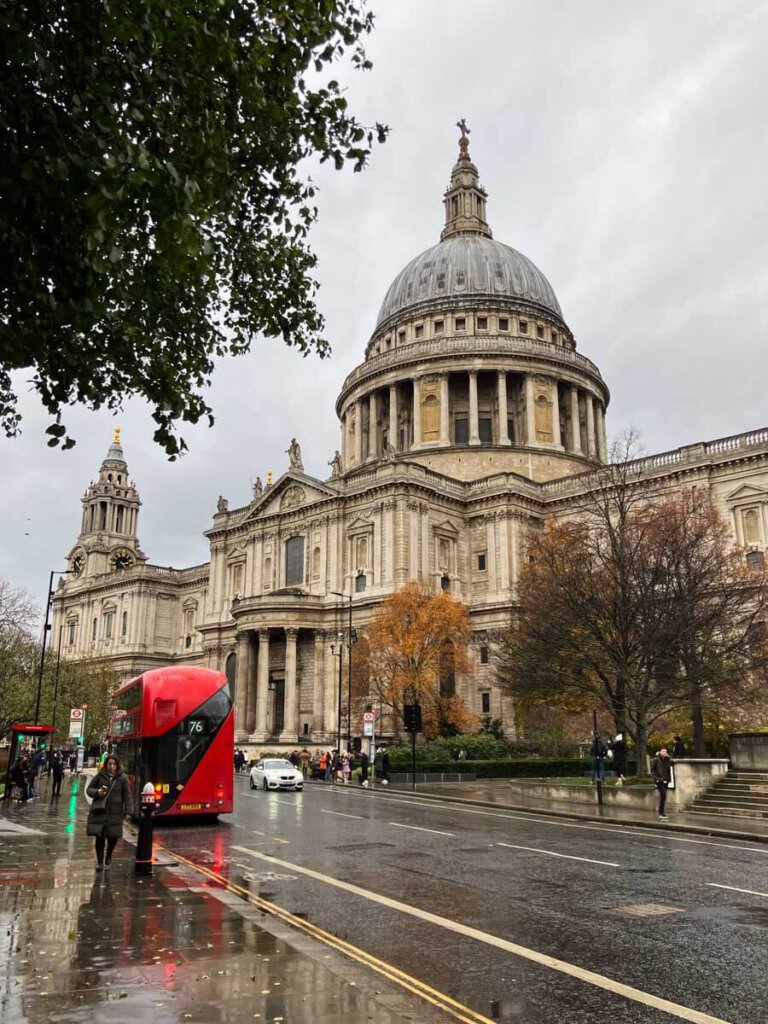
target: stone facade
<point>471,419</point>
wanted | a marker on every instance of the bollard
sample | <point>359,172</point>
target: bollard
<point>144,842</point>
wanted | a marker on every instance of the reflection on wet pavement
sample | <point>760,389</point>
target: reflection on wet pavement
<point>78,945</point>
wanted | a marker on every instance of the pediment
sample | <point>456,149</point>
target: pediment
<point>446,527</point>
<point>747,492</point>
<point>293,490</point>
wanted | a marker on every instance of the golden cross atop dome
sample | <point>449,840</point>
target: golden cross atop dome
<point>116,436</point>
<point>464,140</point>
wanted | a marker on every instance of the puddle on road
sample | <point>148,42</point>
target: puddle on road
<point>756,917</point>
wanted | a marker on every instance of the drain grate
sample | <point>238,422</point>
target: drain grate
<point>360,846</point>
<point>648,910</point>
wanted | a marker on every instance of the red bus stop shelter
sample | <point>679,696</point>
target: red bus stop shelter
<point>20,731</point>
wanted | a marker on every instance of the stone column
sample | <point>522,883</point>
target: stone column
<point>602,439</point>
<point>575,422</point>
<point>591,446</point>
<point>556,416</point>
<point>262,687</point>
<point>503,412</point>
<point>242,682</point>
<point>530,412</point>
<point>290,720</point>
<point>373,427</point>
<point>344,440</point>
<point>318,688</point>
<point>358,431</point>
<point>393,415</point>
<point>474,426</point>
<point>417,412</point>
<point>502,523</point>
<point>445,412</point>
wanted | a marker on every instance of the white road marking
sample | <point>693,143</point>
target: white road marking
<point>543,959</point>
<point>551,853</point>
<point>627,831</point>
<point>749,892</point>
<point>418,828</point>
<point>341,814</point>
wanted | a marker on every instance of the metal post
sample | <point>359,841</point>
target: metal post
<point>56,685</point>
<point>46,627</point>
<point>349,683</point>
<point>598,780</point>
<point>338,724</point>
<point>413,761</point>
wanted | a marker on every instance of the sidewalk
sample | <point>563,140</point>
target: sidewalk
<point>496,793</point>
<point>78,945</point>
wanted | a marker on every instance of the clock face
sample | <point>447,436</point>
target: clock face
<point>78,564</point>
<point>121,560</point>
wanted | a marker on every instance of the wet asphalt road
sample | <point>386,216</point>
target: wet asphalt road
<point>578,892</point>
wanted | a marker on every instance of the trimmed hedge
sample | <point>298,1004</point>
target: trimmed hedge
<point>522,768</point>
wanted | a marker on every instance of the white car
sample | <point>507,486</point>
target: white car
<point>276,773</point>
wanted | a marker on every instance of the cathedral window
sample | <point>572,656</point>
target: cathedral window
<point>461,323</point>
<point>361,552</point>
<point>360,582</point>
<point>482,323</point>
<point>94,629</point>
<point>485,428</point>
<point>461,278</point>
<point>71,629</point>
<point>103,515</point>
<point>236,573</point>
<point>485,702</point>
<point>555,337</point>
<point>751,522</point>
<point>418,331</point>
<point>109,624</point>
<point>484,659</point>
<point>461,431</point>
<point>119,519</point>
<point>124,624</point>
<point>294,561</point>
<point>439,326</point>
<point>523,326</point>
<point>316,564</point>
<point>756,560</point>
<point>401,337</point>
<point>445,582</point>
<point>482,561</point>
<point>511,430</point>
<point>455,206</point>
<point>539,331</point>
<point>503,323</point>
<point>267,574</point>
<point>441,281</point>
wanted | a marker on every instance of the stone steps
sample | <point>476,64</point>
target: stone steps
<point>736,795</point>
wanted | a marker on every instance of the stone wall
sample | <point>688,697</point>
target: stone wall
<point>749,751</point>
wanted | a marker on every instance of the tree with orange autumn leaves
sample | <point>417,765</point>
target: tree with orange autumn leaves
<point>414,647</point>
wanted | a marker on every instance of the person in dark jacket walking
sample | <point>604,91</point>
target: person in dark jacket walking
<point>363,768</point>
<point>619,748</point>
<point>384,766</point>
<point>597,751</point>
<point>57,774</point>
<point>678,748</point>
<point>661,769</point>
<point>112,801</point>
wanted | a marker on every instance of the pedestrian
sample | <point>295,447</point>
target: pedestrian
<point>462,755</point>
<point>72,762</point>
<point>335,766</point>
<point>661,769</point>
<point>20,778</point>
<point>363,768</point>
<point>57,774</point>
<point>619,748</point>
<point>598,752</point>
<point>678,748</point>
<point>345,769</point>
<point>304,758</point>
<point>384,766</point>
<point>111,802</point>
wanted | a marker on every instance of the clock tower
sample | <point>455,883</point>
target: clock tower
<point>108,541</point>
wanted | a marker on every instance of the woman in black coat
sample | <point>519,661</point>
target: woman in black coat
<point>619,748</point>
<point>112,801</point>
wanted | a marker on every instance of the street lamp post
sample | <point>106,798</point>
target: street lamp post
<point>46,629</point>
<point>350,641</point>
<point>340,656</point>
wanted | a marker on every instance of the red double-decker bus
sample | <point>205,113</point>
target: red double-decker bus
<point>174,727</point>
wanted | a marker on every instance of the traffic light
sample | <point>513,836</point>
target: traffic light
<point>412,717</point>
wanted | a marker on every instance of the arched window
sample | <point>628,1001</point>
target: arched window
<point>751,521</point>
<point>316,563</point>
<point>124,624</point>
<point>360,582</point>
<point>755,559</point>
<point>294,561</point>
<point>267,574</point>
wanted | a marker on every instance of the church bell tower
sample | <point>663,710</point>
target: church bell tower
<point>108,540</point>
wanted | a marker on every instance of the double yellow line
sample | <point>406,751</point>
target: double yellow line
<point>418,988</point>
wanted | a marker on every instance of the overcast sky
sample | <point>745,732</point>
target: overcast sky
<point>624,149</point>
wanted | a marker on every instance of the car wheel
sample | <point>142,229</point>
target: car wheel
<point>252,784</point>
<point>265,785</point>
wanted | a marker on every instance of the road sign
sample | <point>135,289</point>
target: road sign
<point>368,716</point>
<point>367,728</point>
<point>76,718</point>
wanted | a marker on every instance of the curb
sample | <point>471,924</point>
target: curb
<point>700,830</point>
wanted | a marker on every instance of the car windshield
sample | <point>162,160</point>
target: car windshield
<point>279,765</point>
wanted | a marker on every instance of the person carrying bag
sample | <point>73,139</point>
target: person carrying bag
<point>111,802</point>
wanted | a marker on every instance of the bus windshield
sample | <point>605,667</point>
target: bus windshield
<point>174,756</point>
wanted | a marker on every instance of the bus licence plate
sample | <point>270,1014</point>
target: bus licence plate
<point>190,807</point>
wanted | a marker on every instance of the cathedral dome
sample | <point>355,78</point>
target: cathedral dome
<point>468,266</point>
